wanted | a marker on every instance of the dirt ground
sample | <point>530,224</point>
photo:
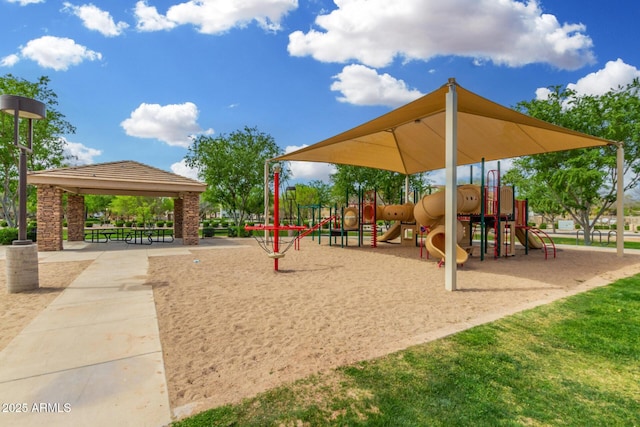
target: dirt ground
<point>231,327</point>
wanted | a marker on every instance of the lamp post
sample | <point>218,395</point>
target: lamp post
<point>22,256</point>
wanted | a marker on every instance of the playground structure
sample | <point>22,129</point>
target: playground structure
<point>361,216</point>
<point>491,206</point>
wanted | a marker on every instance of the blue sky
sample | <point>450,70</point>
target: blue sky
<point>139,79</point>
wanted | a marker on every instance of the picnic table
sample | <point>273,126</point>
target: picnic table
<point>141,236</point>
<point>104,235</point>
<point>149,235</point>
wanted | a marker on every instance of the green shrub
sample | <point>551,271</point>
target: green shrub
<point>206,224</point>
<point>224,224</point>
<point>88,224</point>
<point>169,224</point>
<point>160,224</point>
<point>119,223</point>
<point>543,226</point>
<point>4,223</point>
<point>208,232</point>
<point>238,232</point>
<point>8,235</point>
<point>215,224</point>
<point>128,223</point>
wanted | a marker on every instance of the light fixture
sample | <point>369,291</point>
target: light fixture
<point>30,109</point>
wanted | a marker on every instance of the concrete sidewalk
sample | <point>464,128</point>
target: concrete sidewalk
<point>93,356</point>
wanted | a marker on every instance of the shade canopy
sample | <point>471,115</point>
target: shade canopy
<point>411,139</point>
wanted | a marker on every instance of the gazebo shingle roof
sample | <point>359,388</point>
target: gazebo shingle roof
<point>125,177</point>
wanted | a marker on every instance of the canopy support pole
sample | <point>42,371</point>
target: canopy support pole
<point>406,189</point>
<point>620,201</point>
<point>451,191</point>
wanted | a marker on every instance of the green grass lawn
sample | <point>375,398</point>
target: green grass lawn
<point>580,242</point>
<point>595,243</point>
<point>575,362</point>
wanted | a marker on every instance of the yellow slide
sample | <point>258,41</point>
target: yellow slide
<point>429,212</point>
<point>392,233</point>
<point>435,245</point>
<point>534,242</point>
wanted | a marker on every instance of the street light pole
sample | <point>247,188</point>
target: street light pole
<point>22,256</point>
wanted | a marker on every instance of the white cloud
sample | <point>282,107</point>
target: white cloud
<point>505,32</point>
<point>309,171</point>
<point>26,2</point>
<point>78,154</point>
<point>96,19</point>
<point>181,168</point>
<point>58,53</point>
<point>614,74</point>
<point>9,60</point>
<point>149,19</point>
<point>219,16</point>
<point>362,85</point>
<point>174,124</point>
<point>543,93</point>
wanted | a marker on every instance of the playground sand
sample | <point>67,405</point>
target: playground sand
<point>231,327</point>
<point>17,310</point>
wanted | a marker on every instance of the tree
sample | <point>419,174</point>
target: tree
<point>48,146</point>
<point>97,204</point>
<point>389,185</point>
<point>313,193</point>
<point>144,209</point>
<point>233,167</point>
<point>536,193</point>
<point>583,182</point>
<point>123,207</point>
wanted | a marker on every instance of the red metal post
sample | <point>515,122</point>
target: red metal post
<point>276,215</point>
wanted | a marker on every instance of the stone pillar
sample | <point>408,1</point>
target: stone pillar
<point>190,218</point>
<point>177,217</point>
<point>75,218</point>
<point>49,218</point>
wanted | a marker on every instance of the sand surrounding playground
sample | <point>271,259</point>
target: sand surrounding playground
<point>231,327</point>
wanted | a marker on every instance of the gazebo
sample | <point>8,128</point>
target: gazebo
<point>124,178</point>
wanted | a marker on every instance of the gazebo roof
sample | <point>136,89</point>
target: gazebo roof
<point>124,178</point>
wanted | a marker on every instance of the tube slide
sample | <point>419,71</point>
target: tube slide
<point>392,233</point>
<point>429,212</point>
<point>435,245</point>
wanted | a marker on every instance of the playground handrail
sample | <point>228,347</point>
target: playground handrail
<point>315,227</point>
